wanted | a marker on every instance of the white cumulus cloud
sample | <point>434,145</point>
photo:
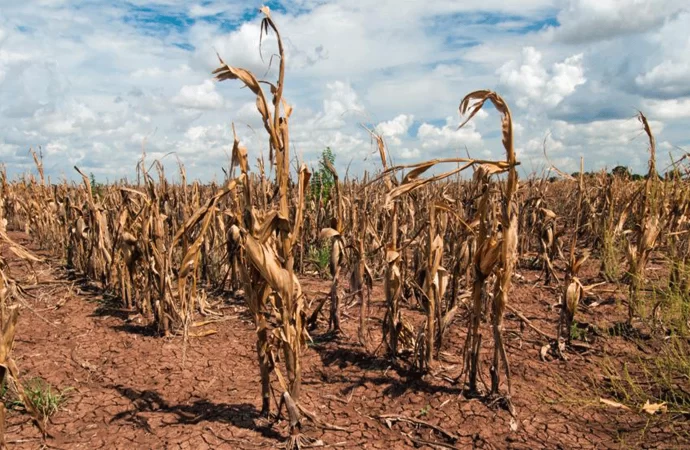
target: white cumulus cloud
<point>532,83</point>
<point>591,20</point>
<point>200,96</point>
<point>395,128</point>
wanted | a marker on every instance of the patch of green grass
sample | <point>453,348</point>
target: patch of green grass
<point>671,309</point>
<point>669,306</point>
<point>44,397</point>
<point>321,257</point>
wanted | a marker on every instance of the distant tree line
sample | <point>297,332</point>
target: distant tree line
<point>624,172</point>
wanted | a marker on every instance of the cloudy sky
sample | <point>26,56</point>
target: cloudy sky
<point>91,82</point>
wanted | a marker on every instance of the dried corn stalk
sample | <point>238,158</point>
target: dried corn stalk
<point>647,229</point>
<point>9,313</point>
<point>361,278</point>
<point>337,250</point>
<point>496,250</point>
<point>572,289</point>
<point>268,245</point>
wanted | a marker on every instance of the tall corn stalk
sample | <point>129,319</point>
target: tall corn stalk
<point>435,284</point>
<point>648,227</point>
<point>496,250</point>
<point>548,240</point>
<point>337,249</point>
<point>573,289</point>
<point>392,280</point>
<point>608,228</point>
<point>268,246</point>
<point>361,278</point>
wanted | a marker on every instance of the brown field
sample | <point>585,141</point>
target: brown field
<point>130,387</point>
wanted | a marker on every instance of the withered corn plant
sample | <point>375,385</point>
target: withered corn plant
<point>392,325</point>
<point>647,228</point>
<point>676,208</point>
<point>335,233</point>
<point>496,247</point>
<point>608,222</point>
<point>268,242</point>
<point>361,279</point>
<point>572,288</point>
<point>548,239</point>
<point>397,330</point>
<point>461,247</point>
<point>537,220</point>
<point>435,281</point>
<point>10,291</point>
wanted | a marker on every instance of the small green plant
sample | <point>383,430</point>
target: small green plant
<point>322,180</point>
<point>44,397</point>
<point>424,411</point>
<point>320,255</point>
<point>577,333</point>
<point>96,187</point>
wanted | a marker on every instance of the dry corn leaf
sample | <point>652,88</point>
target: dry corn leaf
<point>328,233</point>
<point>613,404</point>
<point>203,333</point>
<point>18,249</point>
<point>392,256</point>
<point>548,213</point>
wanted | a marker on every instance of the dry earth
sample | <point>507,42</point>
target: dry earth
<point>130,389</point>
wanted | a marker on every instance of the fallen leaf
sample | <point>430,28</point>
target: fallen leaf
<point>203,333</point>
<point>544,351</point>
<point>613,404</point>
<point>653,408</point>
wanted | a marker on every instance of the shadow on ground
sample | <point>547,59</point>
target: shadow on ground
<point>241,415</point>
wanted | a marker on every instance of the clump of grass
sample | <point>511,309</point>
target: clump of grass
<point>577,333</point>
<point>663,378</point>
<point>44,397</point>
<point>672,311</point>
<point>671,307</point>
<point>320,255</point>
<point>611,254</point>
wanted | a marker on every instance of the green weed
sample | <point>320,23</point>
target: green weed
<point>44,397</point>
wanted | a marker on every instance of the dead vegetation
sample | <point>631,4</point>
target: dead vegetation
<point>446,249</point>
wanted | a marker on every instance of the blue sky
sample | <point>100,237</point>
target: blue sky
<point>92,83</point>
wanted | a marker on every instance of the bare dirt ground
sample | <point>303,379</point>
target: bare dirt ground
<point>130,389</point>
